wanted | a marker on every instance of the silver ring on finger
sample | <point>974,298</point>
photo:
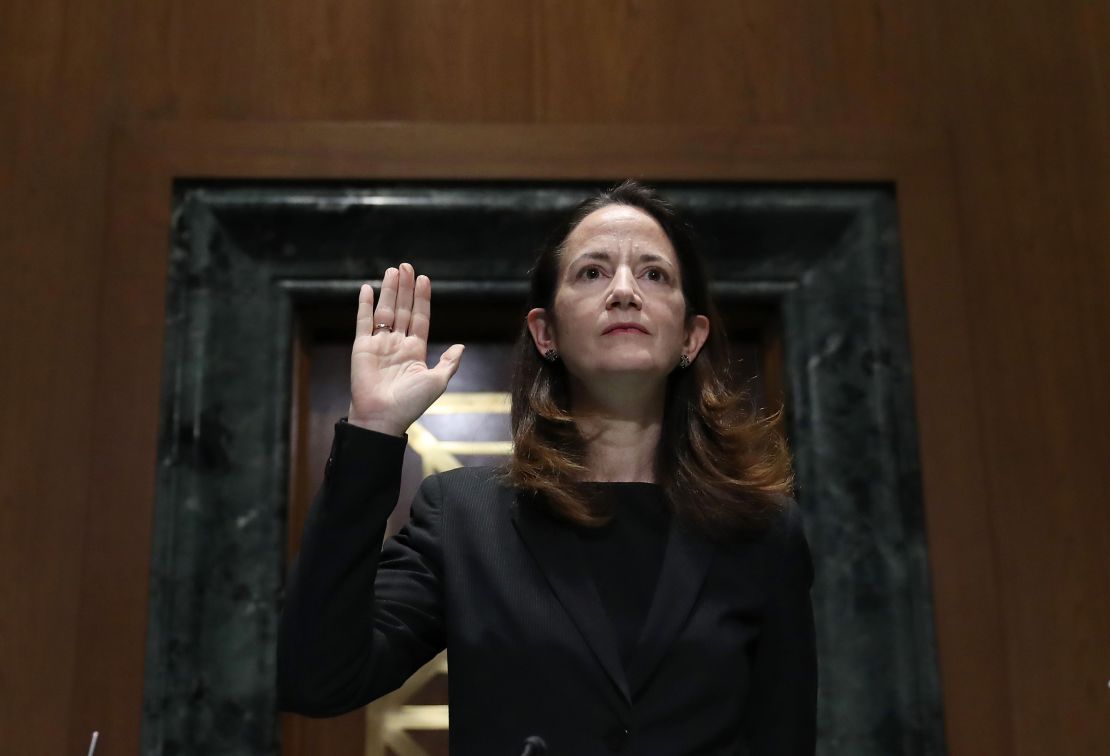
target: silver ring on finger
<point>386,326</point>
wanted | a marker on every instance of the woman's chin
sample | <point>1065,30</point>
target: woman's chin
<point>631,369</point>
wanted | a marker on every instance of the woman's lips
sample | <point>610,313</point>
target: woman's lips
<point>626,329</point>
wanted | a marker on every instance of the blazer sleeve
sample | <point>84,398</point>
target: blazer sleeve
<point>359,618</point>
<point>780,715</point>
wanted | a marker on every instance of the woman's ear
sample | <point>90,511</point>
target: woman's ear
<point>542,330</point>
<point>697,331</point>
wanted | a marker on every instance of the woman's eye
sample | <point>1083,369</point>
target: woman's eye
<point>654,274</point>
<point>591,273</point>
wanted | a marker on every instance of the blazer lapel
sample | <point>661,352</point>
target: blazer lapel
<point>686,561</point>
<point>560,557</point>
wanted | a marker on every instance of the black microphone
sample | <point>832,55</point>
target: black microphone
<point>534,745</point>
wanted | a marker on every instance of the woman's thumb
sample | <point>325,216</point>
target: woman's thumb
<point>449,361</point>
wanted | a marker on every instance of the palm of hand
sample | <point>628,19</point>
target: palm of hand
<point>389,374</point>
<point>391,384</point>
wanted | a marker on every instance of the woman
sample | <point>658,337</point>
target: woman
<point>636,579</point>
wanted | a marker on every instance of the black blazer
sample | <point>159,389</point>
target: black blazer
<point>726,663</point>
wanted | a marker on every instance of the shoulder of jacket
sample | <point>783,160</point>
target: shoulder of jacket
<point>477,483</point>
<point>788,523</point>
<point>795,557</point>
<point>781,527</point>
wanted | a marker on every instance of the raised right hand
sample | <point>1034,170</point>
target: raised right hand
<point>391,386</point>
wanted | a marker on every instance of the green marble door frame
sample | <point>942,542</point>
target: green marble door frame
<point>244,258</point>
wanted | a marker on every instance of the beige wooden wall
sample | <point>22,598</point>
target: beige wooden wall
<point>1020,90</point>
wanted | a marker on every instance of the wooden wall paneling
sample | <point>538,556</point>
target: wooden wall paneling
<point>507,61</point>
<point>351,59</point>
<point>47,328</point>
<point>796,63</point>
<point>963,553</point>
<point>117,526</point>
<point>1030,135</point>
<point>54,91</point>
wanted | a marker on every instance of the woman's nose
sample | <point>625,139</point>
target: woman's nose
<point>623,292</point>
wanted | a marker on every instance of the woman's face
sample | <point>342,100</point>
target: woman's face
<point>619,306</point>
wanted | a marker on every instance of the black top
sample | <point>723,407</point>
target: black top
<point>725,660</point>
<point>624,556</point>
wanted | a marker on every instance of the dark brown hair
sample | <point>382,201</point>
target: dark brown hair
<point>723,470</point>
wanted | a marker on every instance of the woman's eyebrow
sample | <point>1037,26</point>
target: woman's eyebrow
<point>652,257</point>
<point>594,255</point>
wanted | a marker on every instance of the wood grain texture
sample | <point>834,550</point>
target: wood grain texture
<point>53,140</point>
<point>1035,182</point>
<point>1005,210</point>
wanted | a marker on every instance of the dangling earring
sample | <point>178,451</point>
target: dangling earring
<point>683,362</point>
<point>551,355</point>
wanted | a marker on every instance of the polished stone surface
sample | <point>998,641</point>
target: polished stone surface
<point>244,258</point>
